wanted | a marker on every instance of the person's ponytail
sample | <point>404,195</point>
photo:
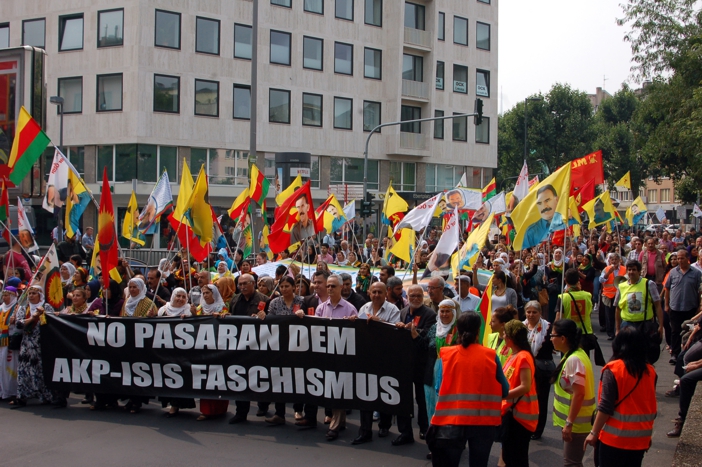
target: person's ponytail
<point>468,327</point>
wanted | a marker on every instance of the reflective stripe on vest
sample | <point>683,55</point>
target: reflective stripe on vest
<point>467,412</point>
<point>526,407</point>
<point>635,294</point>
<point>562,400</point>
<point>609,290</point>
<point>469,398</point>
<point>627,433</point>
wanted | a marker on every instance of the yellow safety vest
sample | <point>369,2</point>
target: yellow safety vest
<point>561,399</point>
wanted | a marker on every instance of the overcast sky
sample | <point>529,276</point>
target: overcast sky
<point>544,42</point>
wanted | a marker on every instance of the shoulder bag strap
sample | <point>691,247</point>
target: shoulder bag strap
<point>577,310</point>
<point>630,392</point>
<point>645,303</point>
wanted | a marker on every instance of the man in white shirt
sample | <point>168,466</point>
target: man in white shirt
<point>466,300</point>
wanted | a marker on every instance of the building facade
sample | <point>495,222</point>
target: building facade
<point>149,84</point>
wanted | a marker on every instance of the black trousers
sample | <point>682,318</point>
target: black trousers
<point>608,312</point>
<point>515,449</point>
<point>543,389</point>
<point>367,422</point>
<point>404,423</point>
<point>676,320</point>
<point>447,453</point>
<point>610,456</point>
<point>243,407</point>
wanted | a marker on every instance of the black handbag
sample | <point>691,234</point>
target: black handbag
<point>589,340</point>
<point>503,430</point>
<point>15,341</point>
<point>445,436</point>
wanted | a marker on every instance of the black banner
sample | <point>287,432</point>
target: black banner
<point>330,363</point>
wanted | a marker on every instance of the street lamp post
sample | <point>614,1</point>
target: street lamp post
<point>58,100</point>
<point>526,101</point>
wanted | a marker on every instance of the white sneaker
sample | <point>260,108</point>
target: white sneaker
<point>676,383</point>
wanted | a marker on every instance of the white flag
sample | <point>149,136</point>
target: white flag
<point>57,180</point>
<point>660,214</point>
<point>495,205</point>
<point>350,210</point>
<point>419,217</point>
<point>696,211</point>
<point>24,228</point>
<point>463,182</point>
<point>159,200</point>
<point>521,189</point>
<point>447,244</point>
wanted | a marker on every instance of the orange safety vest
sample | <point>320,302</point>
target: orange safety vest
<point>470,393</point>
<point>609,290</point>
<point>631,425</point>
<point>526,411</point>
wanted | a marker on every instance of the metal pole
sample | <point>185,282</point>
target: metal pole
<point>61,129</point>
<point>525,131</point>
<point>254,81</point>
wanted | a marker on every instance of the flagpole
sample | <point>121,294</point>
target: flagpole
<point>12,257</point>
<point>565,234</point>
<point>26,290</point>
<point>414,253</point>
<point>12,236</point>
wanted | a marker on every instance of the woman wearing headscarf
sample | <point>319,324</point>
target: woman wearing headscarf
<point>587,273</point>
<point>538,331</point>
<point>8,358</point>
<point>212,303</point>
<point>67,271</point>
<point>266,285</point>
<point>94,288</point>
<point>30,376</point>
<point>79,303</point>
<point>226,288</point>
<point>110,304</point>
<point>223,257</point>
<point>137,305</point>
<point>222,271</point>
<point>553,279</point>
<point>167,277</point>
<point>496,342</point>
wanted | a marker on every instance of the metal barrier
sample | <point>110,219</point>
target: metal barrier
<point>148,256</point>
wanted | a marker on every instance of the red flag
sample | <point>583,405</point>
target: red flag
<point>583,194</point>
<point>287,229</point>
<point>186,235</point>
<point>107,236</point>
<point>587,168</point>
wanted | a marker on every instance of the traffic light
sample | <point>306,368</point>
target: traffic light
<point>367,205</point>
<point>478,109</point>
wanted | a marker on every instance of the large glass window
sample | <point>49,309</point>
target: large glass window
<point>312,53</point>
<point>126,162</point>
<point>207,36</point>
<point>460,128</point>
<point>280,47</point>
<point>167,30</point>
<point>206,98</point>
<point>482,36</point>
<point>440,76</point>
<point>439,125</point>
<point>371,115</point>
<point>344,9</point>
<point>110,28</point>
<point>373,14</point>
<point>34,32</point>
<point>414,16</point>
<point>311,109</point>
<point>441,32</point>
<point>166,94</point>
<point>71,89</point>
<point>460,79</point>
<point>442,177</point>
<point>402,175</point>
<point>460,30</point>
<point>482,83</point>
<point>109,92</point>
<point>242,101</point>
<point>314,6</point>
<point>343,116</point>
<point>408,112</point>
<point>343,58</point>
<point>372,63</point>
<point>4,35</point>
<point>279,106</point>
<point>314,172</point>
<point>412,67</point>
<point>70,32</point>
<point>350,170</point>
<point>286,3</point>
<point>223,166</point>
<point>482,131</point>
<point>243,38</point>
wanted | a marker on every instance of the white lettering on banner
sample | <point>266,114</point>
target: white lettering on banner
<point>338,385</point>
<point>142,378</point>
<point>367,387</point>
<point>80,370</point>
<point>186,341</point>
<point>215,378</point>
<point>343,343</point>
<point>226,340</point>
<point>100,368</point>
<point>299,339</point>
<point>158,376</point>
<point>142,331</point>
<point>116,334</point>
<point>256,375</point>
<point>390,396</point>
<point>281,380</point>
<point>316,388</point>
<point>162,337</point>
<point>237,383</point>
<point>206,338</point>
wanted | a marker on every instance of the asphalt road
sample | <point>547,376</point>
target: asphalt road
<point>41,435</point>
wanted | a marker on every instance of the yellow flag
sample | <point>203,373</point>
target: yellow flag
<point>74,189</point>
<point>625,181</point>
<point>574,218</point>
<point>599,210</point>
<point>238,204</point>
<point>131,220</point>
<point>199,210</point>
<point>184,192</point>
<point>636,212</point>
<point>465,257</point>
<point>543,210</point>
<point>404,247</point>
<point>332,221</point>
<point>288,192</point>
<point>392,205</point>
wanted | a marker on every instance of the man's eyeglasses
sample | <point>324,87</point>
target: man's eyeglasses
<point>551,336</point>
<point>332,286</point>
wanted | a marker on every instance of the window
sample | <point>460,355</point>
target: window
<point>311,109</point>
<point>344,9</point>
<point>412,67</point>
<point>373,60</point>
<point>371,115</point>
<point>70,32</point>
<point>207,98</point>
<point>482,36</point>
<point>286,3</point>
<point>314,172</point>
<point>126,162</point>
<point>652,196</point>
<point>166,94</point>
<point>374,12</point>
<point>442,177</point>
<point>242,101</point>
<point>279,106</point>
<point>280,47</point>
<point>460,128</point>
<point>167,33</point>
<point>460,79</point>
<point>439,125</point>
<point>350,170</point>
<point>414,16</point>
<point>484,1</point>
<point>402,175</point>
<point>343,58</point>
<point>34,32</point>
<point>665,195</point>
<point>207,36</point>
<point>482,83</point>
<point>109,92</point>
<point>312,53</point>
<point>110,28</point>
<point>441,33</point>
<point>440,76</point>
<point>315,6</point>
<point>243,37</point>
<point>408,112</point>
<point>343,118</point>
<point>4,35</point>
<point>460,30</point>
<point>482,131</point>
<point>71,89</point>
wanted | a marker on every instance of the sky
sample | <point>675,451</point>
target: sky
<point>544,42</point>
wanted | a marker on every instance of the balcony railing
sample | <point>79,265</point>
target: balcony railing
<point>412,141</point>
<point>415,89</point>
<point>417,37</point>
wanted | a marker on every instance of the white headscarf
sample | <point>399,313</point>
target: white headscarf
<point>171,310</point>
<point>542,261</point>
<point>32,306</point>
<point>4,306</point>
<point>71,270</point>
<point>216,306</point>
<point>163,268</point>
<point>132,302</point>
<point>442,329</point>
<point>557,263</point>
